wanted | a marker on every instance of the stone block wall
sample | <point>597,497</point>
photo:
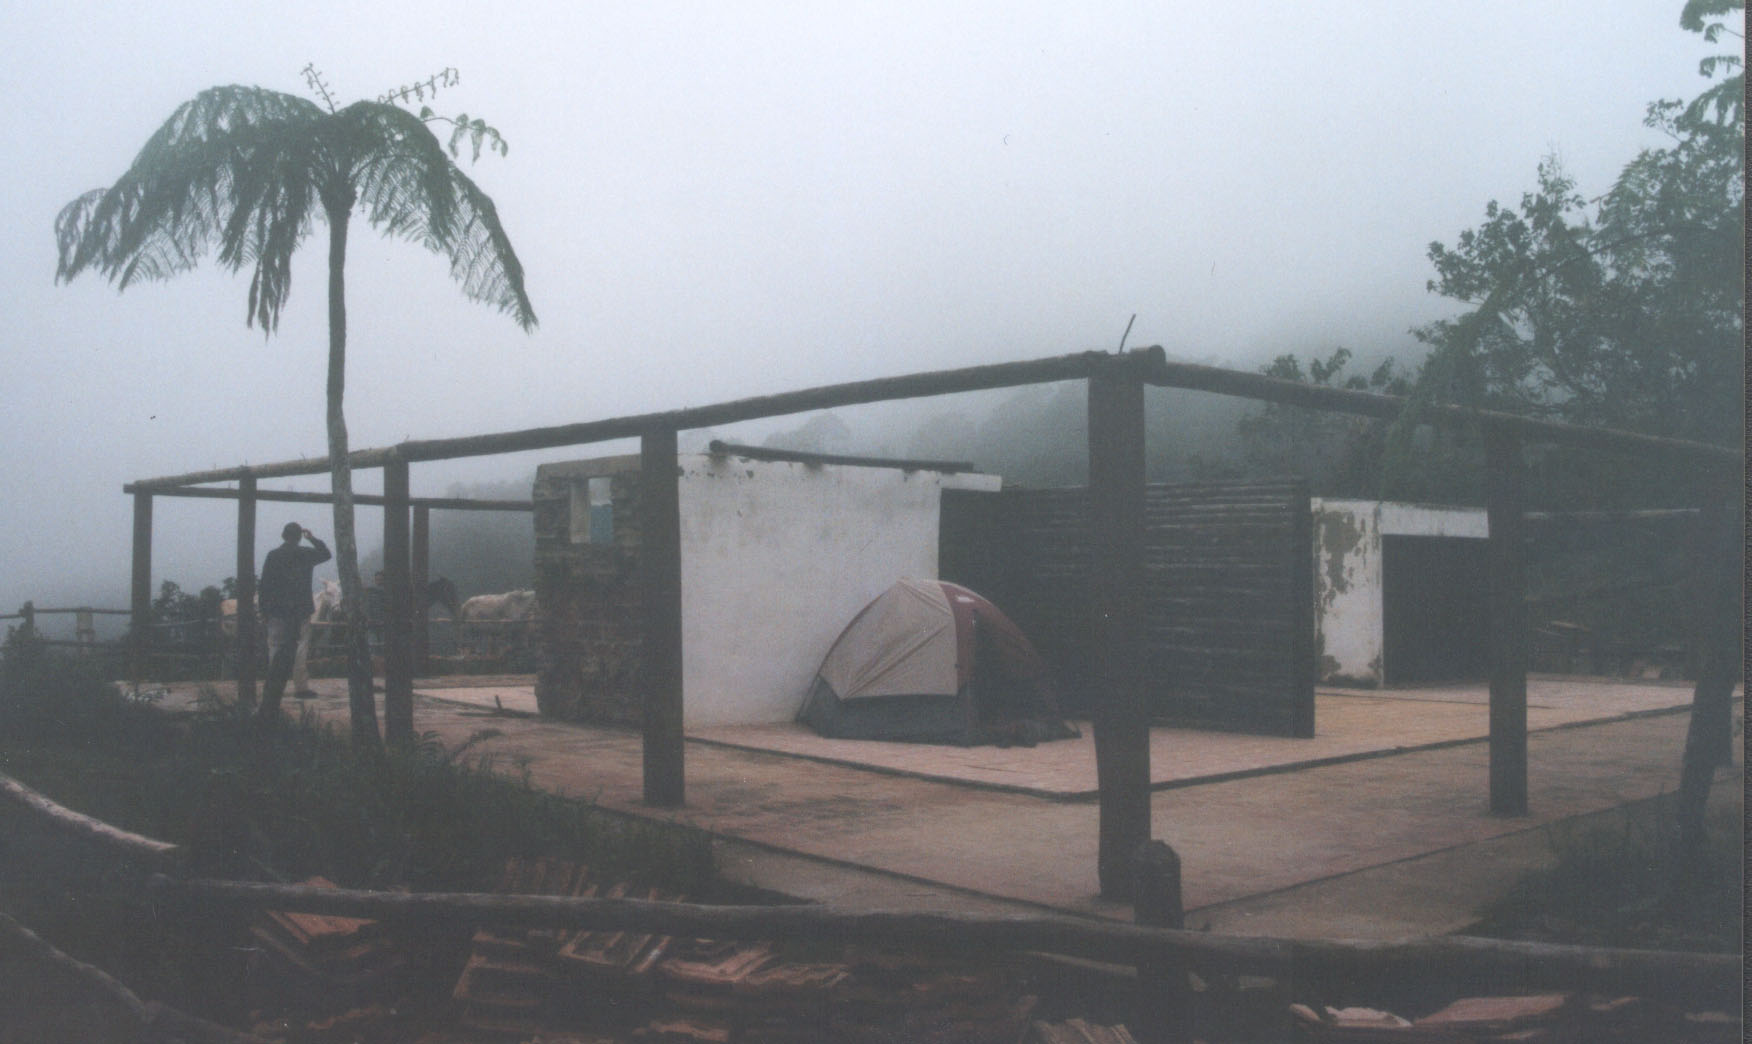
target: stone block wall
<point>591,612</point>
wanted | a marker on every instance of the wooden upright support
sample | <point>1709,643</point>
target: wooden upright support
<point>140,604</point>
<point>419,576</point>
<point>660,589</point>
<point>246,592</point>
<point>1505,510</point>
<point>1717,631</point>
<point>398,660</point>
<point>1121,719</point>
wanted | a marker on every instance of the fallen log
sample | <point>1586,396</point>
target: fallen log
<point>160,854</point>
<point>1702,976</point>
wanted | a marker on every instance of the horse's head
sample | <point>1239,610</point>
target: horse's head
<point>328,601</point>
<point>440,591</point>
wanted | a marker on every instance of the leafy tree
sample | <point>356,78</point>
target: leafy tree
<point>1338,454</point>
<point>248,170</point>
<point>1624,311</point>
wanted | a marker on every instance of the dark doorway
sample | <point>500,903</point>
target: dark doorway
<point>1435,608</point>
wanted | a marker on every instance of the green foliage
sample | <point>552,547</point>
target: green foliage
<point>247,170</point>
<point>1624,311</point>
<point>49,698</point>
<point>296,800</point>
<point>1617,883</point>
<point>1338,454</point>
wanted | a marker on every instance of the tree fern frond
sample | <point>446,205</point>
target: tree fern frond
<point>231,168</point>
<point>410,187</point>
<point>243,171</point>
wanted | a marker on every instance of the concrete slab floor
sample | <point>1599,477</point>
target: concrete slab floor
<point>1381,846</point>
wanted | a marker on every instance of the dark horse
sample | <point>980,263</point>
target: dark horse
<point>441,591</point>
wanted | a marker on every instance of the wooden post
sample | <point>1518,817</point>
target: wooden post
<point>1164,992</point>
<point>1505,508</point>
<point>246,592</point>
<point>660,571</point>
<point>1716,637</point>
<point>419,576</point>
<point>398,662</point>
<point>140,604</point>
<point>1121,719</point>
<point>1302,667</point>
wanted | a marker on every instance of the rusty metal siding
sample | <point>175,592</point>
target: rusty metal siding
<point>1229,605</point>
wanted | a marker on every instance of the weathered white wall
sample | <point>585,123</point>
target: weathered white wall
<point>1347,591</point>
<point>1349,626</point>
<point>776,558</point>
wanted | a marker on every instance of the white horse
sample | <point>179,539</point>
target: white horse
<point>328,610</point>
<point>496,620</point>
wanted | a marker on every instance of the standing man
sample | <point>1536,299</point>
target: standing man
<point>284,593</point>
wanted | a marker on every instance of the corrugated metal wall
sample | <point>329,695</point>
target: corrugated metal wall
<point>1228,591</point>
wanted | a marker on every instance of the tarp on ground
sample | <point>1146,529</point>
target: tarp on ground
<point>931,662</point>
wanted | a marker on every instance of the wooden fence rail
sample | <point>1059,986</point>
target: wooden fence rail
<point>1356,964</point>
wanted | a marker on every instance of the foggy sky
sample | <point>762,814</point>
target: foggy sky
<point>719,200</point>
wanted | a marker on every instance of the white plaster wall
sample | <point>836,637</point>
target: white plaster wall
<point>1347,591</point>
<point>776,558</point>
<point>1349,626</point>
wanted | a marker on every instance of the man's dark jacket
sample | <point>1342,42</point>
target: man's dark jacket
<point>284,587</point>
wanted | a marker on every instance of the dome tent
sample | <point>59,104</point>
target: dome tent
<point>931,662</point>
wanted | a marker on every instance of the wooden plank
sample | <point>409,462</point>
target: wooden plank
<point>660,574</point>
<point>246,593</point>
<point>398,660</point>
<point>1505,503</point>
<point>140,602</point>
<point>1121,720</point>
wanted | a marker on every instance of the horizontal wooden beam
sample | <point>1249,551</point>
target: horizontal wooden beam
<point>1258,386</point>
<point>942,382</point>
<point>1586,517</point>
<point>76,609</point>
<point>1357,963</point>
<point>292,497</point>
<point>1150,363</point>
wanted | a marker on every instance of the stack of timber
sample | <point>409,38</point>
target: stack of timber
<point>510,983</point>
<point>331,960</point>
<point>1077,1031</point>
<point>666,988</point>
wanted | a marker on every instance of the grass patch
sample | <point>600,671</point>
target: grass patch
<point>292,801</point>
<point>284,802</point>
<point>1617,883</point>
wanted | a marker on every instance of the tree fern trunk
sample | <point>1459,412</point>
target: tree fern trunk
<point>361,704</point>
